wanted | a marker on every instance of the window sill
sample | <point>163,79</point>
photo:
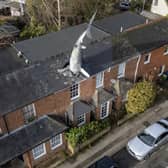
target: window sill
<point>165,54</point>
<point>35,158</point>
<point>53,148</point>
<point>147,62</point>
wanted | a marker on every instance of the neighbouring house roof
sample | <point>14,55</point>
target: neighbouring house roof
<point>9,61</point>
<point>52,44</point>
<point>28,137</point>
<point>150,37</point>
<point>114,23</point>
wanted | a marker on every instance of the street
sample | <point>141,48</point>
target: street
<point>158,159</point>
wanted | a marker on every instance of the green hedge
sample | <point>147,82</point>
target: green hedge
<point>79,135</point>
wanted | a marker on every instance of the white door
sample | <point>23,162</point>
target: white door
<point>121,70</point>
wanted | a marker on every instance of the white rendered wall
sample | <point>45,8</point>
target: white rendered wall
<point>161,8</point>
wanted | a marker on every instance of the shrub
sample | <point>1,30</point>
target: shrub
<point>79,135</point>
<point>140,97</point>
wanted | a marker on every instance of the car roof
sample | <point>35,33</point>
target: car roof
<point>155,130</point>
<point>105,162</point>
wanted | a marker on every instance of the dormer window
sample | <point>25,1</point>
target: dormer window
<point>147,59</point>
<point>166,51</point>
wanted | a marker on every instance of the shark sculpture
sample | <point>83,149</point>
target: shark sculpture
<point>75,58</point>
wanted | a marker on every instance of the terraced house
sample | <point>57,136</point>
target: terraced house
<point>41,97</point>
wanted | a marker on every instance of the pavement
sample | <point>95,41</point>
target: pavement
<point>116,139</point>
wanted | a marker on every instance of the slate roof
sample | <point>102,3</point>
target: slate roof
<point>107,53</point>
<point>9,61</point>
<point>24,86</point>
<point>29,136</point>
<point>80,107</point>
<point>52,44</point>
<point>104,96</point>
<point>149,37</point>
<point>113,24</point>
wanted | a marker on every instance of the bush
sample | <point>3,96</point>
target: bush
<point>140,97</point>
<point>79,135</point>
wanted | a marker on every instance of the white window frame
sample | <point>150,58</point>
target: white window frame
<point>42,154</point>
<point>72,91</point>
<point>84,119</point>
<point>100,79</point>
<point>123,66</point>
<point>163,68</point>
<point>107,109</point>
<point>54,139</point>
<point>166,51</point>
<point>149,58</point>
<point>27,108</point>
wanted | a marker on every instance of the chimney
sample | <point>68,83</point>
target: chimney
<point>121,29</point>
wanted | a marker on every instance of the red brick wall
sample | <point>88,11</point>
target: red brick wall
<point>157,59</point>
<point>87,88</point>
<point>56,103</point>
<point>14,120</point>
<point>108,75</point>
<point>3,126</point>
<point>130,69</point>
<point>28,157</point>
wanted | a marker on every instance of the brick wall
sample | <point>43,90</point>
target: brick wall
<point>2,126</point>
<point>50,154</point>
<point>56,103</point>
<point>14,120</point>
<point>157,59</point>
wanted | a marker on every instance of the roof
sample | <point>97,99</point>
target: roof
<point>155,130</point>
<point>52,44</point>
<point>80,107</point>
<point>24,86</point>
<point>104,96</point>
<point>27,137</point>
<point>100,56</point>
<point>9,61</point>
<point>149,37</point>
<point>114,23</point>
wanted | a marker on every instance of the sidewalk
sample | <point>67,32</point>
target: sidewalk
<point>117,138</point>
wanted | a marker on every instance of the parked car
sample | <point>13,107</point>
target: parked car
<point>148,141</point>
<point>104,162</point>
<point>124,4</point>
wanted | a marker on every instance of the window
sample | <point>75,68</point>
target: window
<point>81,119</point>
<point>99,79</point>
<point>56,141</point>
<point>166,51</point>
<point>74,91</point>
<point>155,2</point>
<point>121,70</point>
<point>104,110</point>
<point>147,58</point>
<point>161,70</point>
<point>39,151</point>
<point>29,112</point>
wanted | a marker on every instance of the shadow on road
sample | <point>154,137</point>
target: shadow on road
<point>124,159</point>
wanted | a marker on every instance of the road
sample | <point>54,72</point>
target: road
<point>158,159</point>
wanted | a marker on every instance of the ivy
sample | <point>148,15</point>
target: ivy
<point>79,135</point>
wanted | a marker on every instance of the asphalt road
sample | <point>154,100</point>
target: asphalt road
<point>158,159</point>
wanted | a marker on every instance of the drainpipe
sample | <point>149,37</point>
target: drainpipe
<point>6,125</point>
<point>137,66</point>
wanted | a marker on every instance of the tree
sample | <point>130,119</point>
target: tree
<point>140,97</point>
